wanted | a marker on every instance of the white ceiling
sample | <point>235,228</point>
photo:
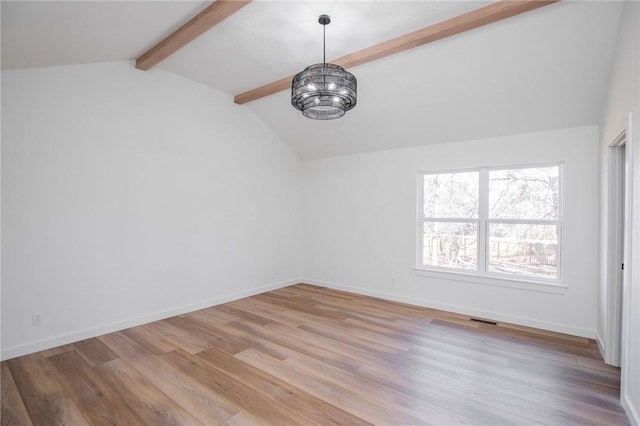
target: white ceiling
<point>542,70</point>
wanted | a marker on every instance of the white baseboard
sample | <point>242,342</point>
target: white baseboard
<point>75,336</point>
<point>632,412</point>
<point>601,346</point>
<point>527,322</point>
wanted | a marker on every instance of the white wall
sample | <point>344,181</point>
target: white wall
<point>360,227</point>
<point>0,207</point>
<point>623,98</point>
<point>128,196</point>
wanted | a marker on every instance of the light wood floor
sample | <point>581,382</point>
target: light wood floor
<point>307,355</point>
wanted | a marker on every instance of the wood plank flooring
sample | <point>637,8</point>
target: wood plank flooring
<point>306,355</point>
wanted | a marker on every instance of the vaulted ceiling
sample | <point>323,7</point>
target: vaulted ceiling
<point>541,70</point>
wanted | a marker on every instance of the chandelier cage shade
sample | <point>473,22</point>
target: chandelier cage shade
<point>324,91</point>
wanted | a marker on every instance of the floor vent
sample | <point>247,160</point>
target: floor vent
<point>484,321</point>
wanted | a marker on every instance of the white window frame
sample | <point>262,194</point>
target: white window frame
<point>482,275</point>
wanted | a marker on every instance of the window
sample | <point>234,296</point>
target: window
<point>500,222</point>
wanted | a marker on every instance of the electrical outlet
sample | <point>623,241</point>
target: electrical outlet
<point>36,319</point>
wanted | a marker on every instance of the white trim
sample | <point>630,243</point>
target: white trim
<point>561,218</point>
<point>631,412</point>
<point>512,319</point>
<point>620,140</point>
<point>617,183</point>
<point>556,222</point>
<point>524,283</point>
<point>483,223</point>
<point>450,220</point>
<point>420,220</point>
<point>626,296</point>
<point>601,345</point>
<point>64,339</point>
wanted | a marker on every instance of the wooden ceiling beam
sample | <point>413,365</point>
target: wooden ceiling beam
<point>467,21</point>
<point>212,15</point>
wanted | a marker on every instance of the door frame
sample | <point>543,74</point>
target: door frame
<point>619,227</point>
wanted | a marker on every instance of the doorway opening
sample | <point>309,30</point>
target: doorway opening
<point>617,214</point>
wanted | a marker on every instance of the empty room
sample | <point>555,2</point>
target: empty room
<point>320,212</point>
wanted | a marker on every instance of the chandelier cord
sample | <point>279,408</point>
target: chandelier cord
<point>324,43</point>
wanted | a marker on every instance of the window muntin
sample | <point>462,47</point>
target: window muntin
<point>502,222</point>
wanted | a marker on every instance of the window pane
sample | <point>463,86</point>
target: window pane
<point>524,193</point>
<point>451,195</point>
<point>527,250</point>
<point>449,244</point>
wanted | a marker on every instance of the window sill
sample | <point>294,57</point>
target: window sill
<point>522,284</point>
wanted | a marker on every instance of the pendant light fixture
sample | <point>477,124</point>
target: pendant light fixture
<point>324,91</point>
